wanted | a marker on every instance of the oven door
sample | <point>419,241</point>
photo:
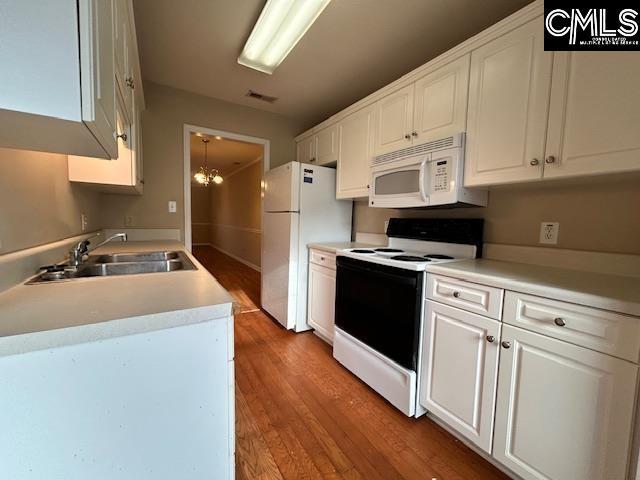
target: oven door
<point>400,184</point>
<point>380,306</point>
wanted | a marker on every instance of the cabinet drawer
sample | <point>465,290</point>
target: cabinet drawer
<point>600,330</point>
<point>468,296</point>
<point>320,257</point>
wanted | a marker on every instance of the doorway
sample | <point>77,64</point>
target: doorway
<point>225,212</point>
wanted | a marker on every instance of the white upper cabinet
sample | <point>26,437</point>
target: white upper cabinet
<point>98,71</point>
<point>594,119</point>
<point>563,412</point>
<point>305,150</point>
<point>123,174</point>
<point>441,102</point>
<point>460,370</point>
<point>355,140</point>
<point>394,121</point>
<point>326,146</point>
<point>508,104</point>
<point>125,53</point>
<point>57,95</point>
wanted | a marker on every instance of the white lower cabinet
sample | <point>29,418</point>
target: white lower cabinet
<point>321,298</point>
<point>563,412</point>
<point>458,383</point>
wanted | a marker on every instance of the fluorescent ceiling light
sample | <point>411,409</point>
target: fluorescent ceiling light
<point>281,25</point>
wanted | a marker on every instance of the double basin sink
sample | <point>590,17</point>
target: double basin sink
<point>120,264</point>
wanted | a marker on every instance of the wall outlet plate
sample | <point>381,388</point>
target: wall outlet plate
<point>172,206</point>
<point>129,221</point>
<point>549,232</point>
<point>84,221</point>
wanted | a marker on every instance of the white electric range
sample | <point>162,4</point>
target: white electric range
<point>380,302</point>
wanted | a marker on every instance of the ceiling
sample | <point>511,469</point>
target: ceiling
<point>224,154</point>
<point>354,48</point>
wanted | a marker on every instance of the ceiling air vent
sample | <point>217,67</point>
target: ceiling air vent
<point>260,96</point>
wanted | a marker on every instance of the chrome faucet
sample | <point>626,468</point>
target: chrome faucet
<point>80,249</point>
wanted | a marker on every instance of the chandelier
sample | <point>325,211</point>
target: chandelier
<point>206,175</point>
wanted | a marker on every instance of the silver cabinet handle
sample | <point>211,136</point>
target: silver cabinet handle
<point>123,136</point>
<point>559,321</point>
<point>550,159</point>
<point>491,338</point>
<point>506,344</point>
<point>534,162</point>
<point>456,294</point>
<point>408,136</point>
<point>414,133</point>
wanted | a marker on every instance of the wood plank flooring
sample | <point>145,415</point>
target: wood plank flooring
<point>301,415</point>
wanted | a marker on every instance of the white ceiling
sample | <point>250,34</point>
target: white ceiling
<point>224,154</point>
<point>353,48</point>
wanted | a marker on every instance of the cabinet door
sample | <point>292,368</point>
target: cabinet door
<point>326,145</point>
<point>305,150</point>
<point>122,48</point>
<point>508,104</point>
<point>594,114</point>
<point>120,172</point>
<point>395,121</point>
<point>98,72</point>
<point>441,101</point>
<point>460,370</point>
<point>355,140</point>
<point>322,299</point>
<point>564,412</point>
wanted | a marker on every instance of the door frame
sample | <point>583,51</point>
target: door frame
<point>188,129</point>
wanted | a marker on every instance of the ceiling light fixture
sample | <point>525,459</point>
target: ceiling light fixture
<point>281,25</point>
<point>205,175</point>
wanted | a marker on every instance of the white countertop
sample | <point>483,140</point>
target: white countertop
<point>108,304</point>
<point>333,247</point>
<point>608,292</point>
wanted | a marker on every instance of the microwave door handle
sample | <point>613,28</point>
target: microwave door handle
<point>423,171</point>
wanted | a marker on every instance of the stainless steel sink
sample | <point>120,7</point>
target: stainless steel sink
<point>133,257</point>
<point>120,264</point>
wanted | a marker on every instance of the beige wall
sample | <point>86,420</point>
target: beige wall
<point>38,205</point>
<point>598,214</point>
<point>200,213</point>
<point>236,214</point>
<point>167,111</point>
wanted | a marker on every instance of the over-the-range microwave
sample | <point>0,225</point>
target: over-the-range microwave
<point>423,175</point>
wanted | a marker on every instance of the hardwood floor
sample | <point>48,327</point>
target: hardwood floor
<point>301,415</point>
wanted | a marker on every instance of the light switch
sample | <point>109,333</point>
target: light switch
<point>84,221</point>
<point>172,206</point>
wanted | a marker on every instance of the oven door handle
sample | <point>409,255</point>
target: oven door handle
<point>423,170</point>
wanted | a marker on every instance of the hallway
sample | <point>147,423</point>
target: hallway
<point>299,414</point>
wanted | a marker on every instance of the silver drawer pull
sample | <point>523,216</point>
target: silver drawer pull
<point>456,294</point>
<point>491,338</point>
<point>559,321</point>
<point>506,344</point>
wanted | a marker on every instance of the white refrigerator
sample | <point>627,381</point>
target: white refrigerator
<point>300,207</point>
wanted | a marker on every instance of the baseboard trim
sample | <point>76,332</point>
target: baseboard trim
<point>229,254</point>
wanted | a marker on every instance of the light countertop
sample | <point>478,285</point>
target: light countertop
<point>333,247</point>
<point>105,306</point>
<point>608,292</point>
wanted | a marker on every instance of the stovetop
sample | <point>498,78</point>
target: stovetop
<point>416,243</point>
<point>411,259</point>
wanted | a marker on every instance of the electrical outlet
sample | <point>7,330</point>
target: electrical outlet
<point>172,206</point>
<point>84,221</point>
<point>129,221</point>
<point>549,232</point>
